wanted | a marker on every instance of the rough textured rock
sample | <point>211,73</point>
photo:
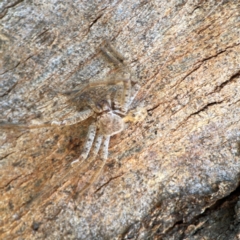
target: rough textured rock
<point>172,175</point>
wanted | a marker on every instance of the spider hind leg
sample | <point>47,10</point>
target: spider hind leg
<point>88,144</point>
<point>103,146</point>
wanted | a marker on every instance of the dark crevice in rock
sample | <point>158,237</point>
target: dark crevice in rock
<point>218,53</point>
<point>223,84</point>
<point>204,108</point>
<point>201,221</point>
<point>197,112</point>
<point>180,229</point>
<point>4,10</point>
<point>95,20</point>
<point>153,108</point>
<point>106,183</point>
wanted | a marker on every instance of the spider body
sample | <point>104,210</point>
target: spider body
<point>108,113</point>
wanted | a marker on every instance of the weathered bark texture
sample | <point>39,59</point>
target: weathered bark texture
<point>172,175</point>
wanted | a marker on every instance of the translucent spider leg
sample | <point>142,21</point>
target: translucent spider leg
<point>134,93</point>
<point>104,156</point>
<point>93,106</point>
<point>97,83</point>
<point>104,152</point>
<point>117,99</point>
<point>88,143</point>
<point>112,55</point>
<point>79,117</point>
<point>123,98</point>
<point>97,144</point>
<point>126,96</point>
<point>16,126</point>
<point>108,98</point>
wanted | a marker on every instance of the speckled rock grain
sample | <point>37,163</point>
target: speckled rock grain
<point>172,175</point>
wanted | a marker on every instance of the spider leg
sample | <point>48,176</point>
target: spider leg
<point>134,93</point>
<point>88,143</point>
<point>126,96</point>
<point>118,60</point>
<point>97,83</point>
<point>79,117</point>
<point>104,152</point>
<point>117,99</point>
<point>112,55</point>
<point>104,156</point>
<point>123,98</point>
<point>93,106</point>
<point>97,144</point>
<point>16,126</point>
<point>108,98</point>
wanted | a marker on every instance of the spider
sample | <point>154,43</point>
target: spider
<point>109,115</point>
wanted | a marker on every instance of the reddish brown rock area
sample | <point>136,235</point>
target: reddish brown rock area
<point>173,173</point>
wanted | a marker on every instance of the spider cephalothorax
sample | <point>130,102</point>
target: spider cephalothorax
<point>110,123</point>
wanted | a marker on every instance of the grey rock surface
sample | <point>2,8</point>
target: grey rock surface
<point>172,174</point>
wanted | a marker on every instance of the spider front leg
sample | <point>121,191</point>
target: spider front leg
<point>112,55</point>
<point>124,97</point>
<point>134,93</point>
<point>118,60</point>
